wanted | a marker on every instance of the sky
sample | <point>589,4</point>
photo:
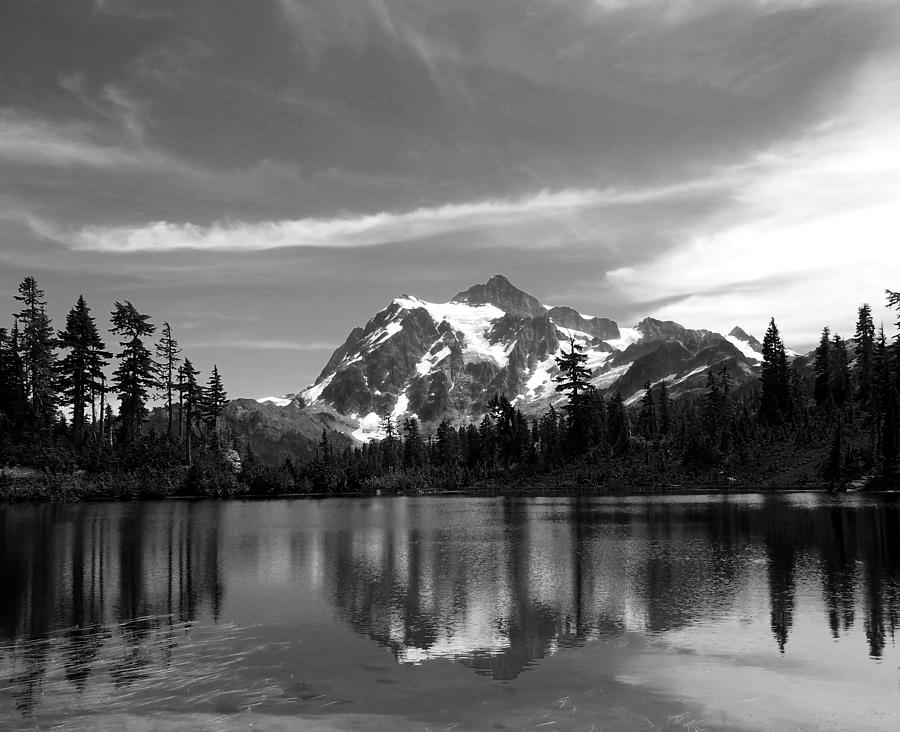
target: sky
<point>267,175</point>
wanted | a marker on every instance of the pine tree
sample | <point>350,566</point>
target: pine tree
<point>168,360</point>
<point>775,403</point>
<point>647,417</point>
<point>573,379</point>
<point>822,387</point>
<point>413,450</point>
<point>863,371</point>
<point>323,451</point>
<point>389,454</point>
<point>13,401</point>
<point>445,447</point>
<point>839,372</point>
<point>135,376</point>
<point>81,369</point>
<point>109,422</point>
<point>191,398</point>
<point>36,346</point>
<point>214,400</point>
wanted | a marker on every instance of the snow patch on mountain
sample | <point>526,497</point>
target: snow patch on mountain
<point>401,407</point>
<point>541,378</point>
<point>596,359</point>
<point>313,393</point>
<point>744,347</point>
<point>430,360</point>
<point>277,401</point>
<point>473,321</point>
<point>571,334</point>
<point>608,378</point>
<point>369,428</point>
<point>627,337</point>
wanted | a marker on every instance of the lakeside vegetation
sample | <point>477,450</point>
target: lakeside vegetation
<point>830,419</point>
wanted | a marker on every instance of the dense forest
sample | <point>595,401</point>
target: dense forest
<point>99,451</point>
<point>830,419</point>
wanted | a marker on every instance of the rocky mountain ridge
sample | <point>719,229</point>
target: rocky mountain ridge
<point>447,360</point>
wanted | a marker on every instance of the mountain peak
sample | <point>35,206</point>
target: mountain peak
<point>742,335</point>
<point>499,291</point>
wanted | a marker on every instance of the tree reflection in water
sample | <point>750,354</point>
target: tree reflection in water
<point>113,592</point>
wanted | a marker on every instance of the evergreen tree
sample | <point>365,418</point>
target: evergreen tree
<point>323,451</point>
<point>191,397</point>
<point>389,443</point>
<point>822,387</point>
<point>168,360</point>
<point>109,421</point>
<point>135,376</point>
<point>13,400</point>
<point>573,379</point>
<point>839,372</point>
<point>775,404</point>
<point>36,346</point>
<point>413,449</point>
<point>863,371</point>
<point>214,400</point>
<point>647,417</point>
<point>81,369</point>
<point>446,447</point>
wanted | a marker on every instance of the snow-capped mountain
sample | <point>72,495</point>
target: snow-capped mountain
<point>436,360</point>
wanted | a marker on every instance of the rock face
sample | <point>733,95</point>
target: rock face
<point>437,360</point>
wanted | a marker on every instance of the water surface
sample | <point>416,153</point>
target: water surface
<point>437,613</point>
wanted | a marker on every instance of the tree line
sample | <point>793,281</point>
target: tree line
<point>826,419</point>
<point>45,373</point>
<point>829,418</point>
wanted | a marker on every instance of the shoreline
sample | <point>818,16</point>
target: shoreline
<point>9,494</point>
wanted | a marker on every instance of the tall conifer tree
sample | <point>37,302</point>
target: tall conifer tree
<point>37,348</point>
<point>573,379</point>
<point>81,369</point>
<point>135,376</point>
<point>214,399</point>
<point>775,403</point>
<point>168,361</point>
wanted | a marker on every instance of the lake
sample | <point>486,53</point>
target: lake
<point>739,611</point>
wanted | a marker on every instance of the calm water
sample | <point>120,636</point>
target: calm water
<point>679,613</point>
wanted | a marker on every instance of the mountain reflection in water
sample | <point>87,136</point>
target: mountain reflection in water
<point>132,596</point>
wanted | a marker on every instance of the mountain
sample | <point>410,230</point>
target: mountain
<point>437,360</point>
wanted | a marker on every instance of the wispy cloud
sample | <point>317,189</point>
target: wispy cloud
<point>356,231</point>
<point>33,141</point>
<point>814,232</point>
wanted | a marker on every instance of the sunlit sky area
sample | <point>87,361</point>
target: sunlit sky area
<point>266,175</point>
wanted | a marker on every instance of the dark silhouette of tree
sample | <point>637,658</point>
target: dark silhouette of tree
<point>572,379</point>
<point>192,401</point>
<point>81,368</point>
<point>863,370</point>
<point>413,449</point>
<point>822,388</point>
<point>37,348</point>
<point>839,372</point>
<point>775,404</point>
<point>214,400</point>
<point>168,361</point>
<point>13,399</point>
<point>135,376</point>
<point>647,417</point>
